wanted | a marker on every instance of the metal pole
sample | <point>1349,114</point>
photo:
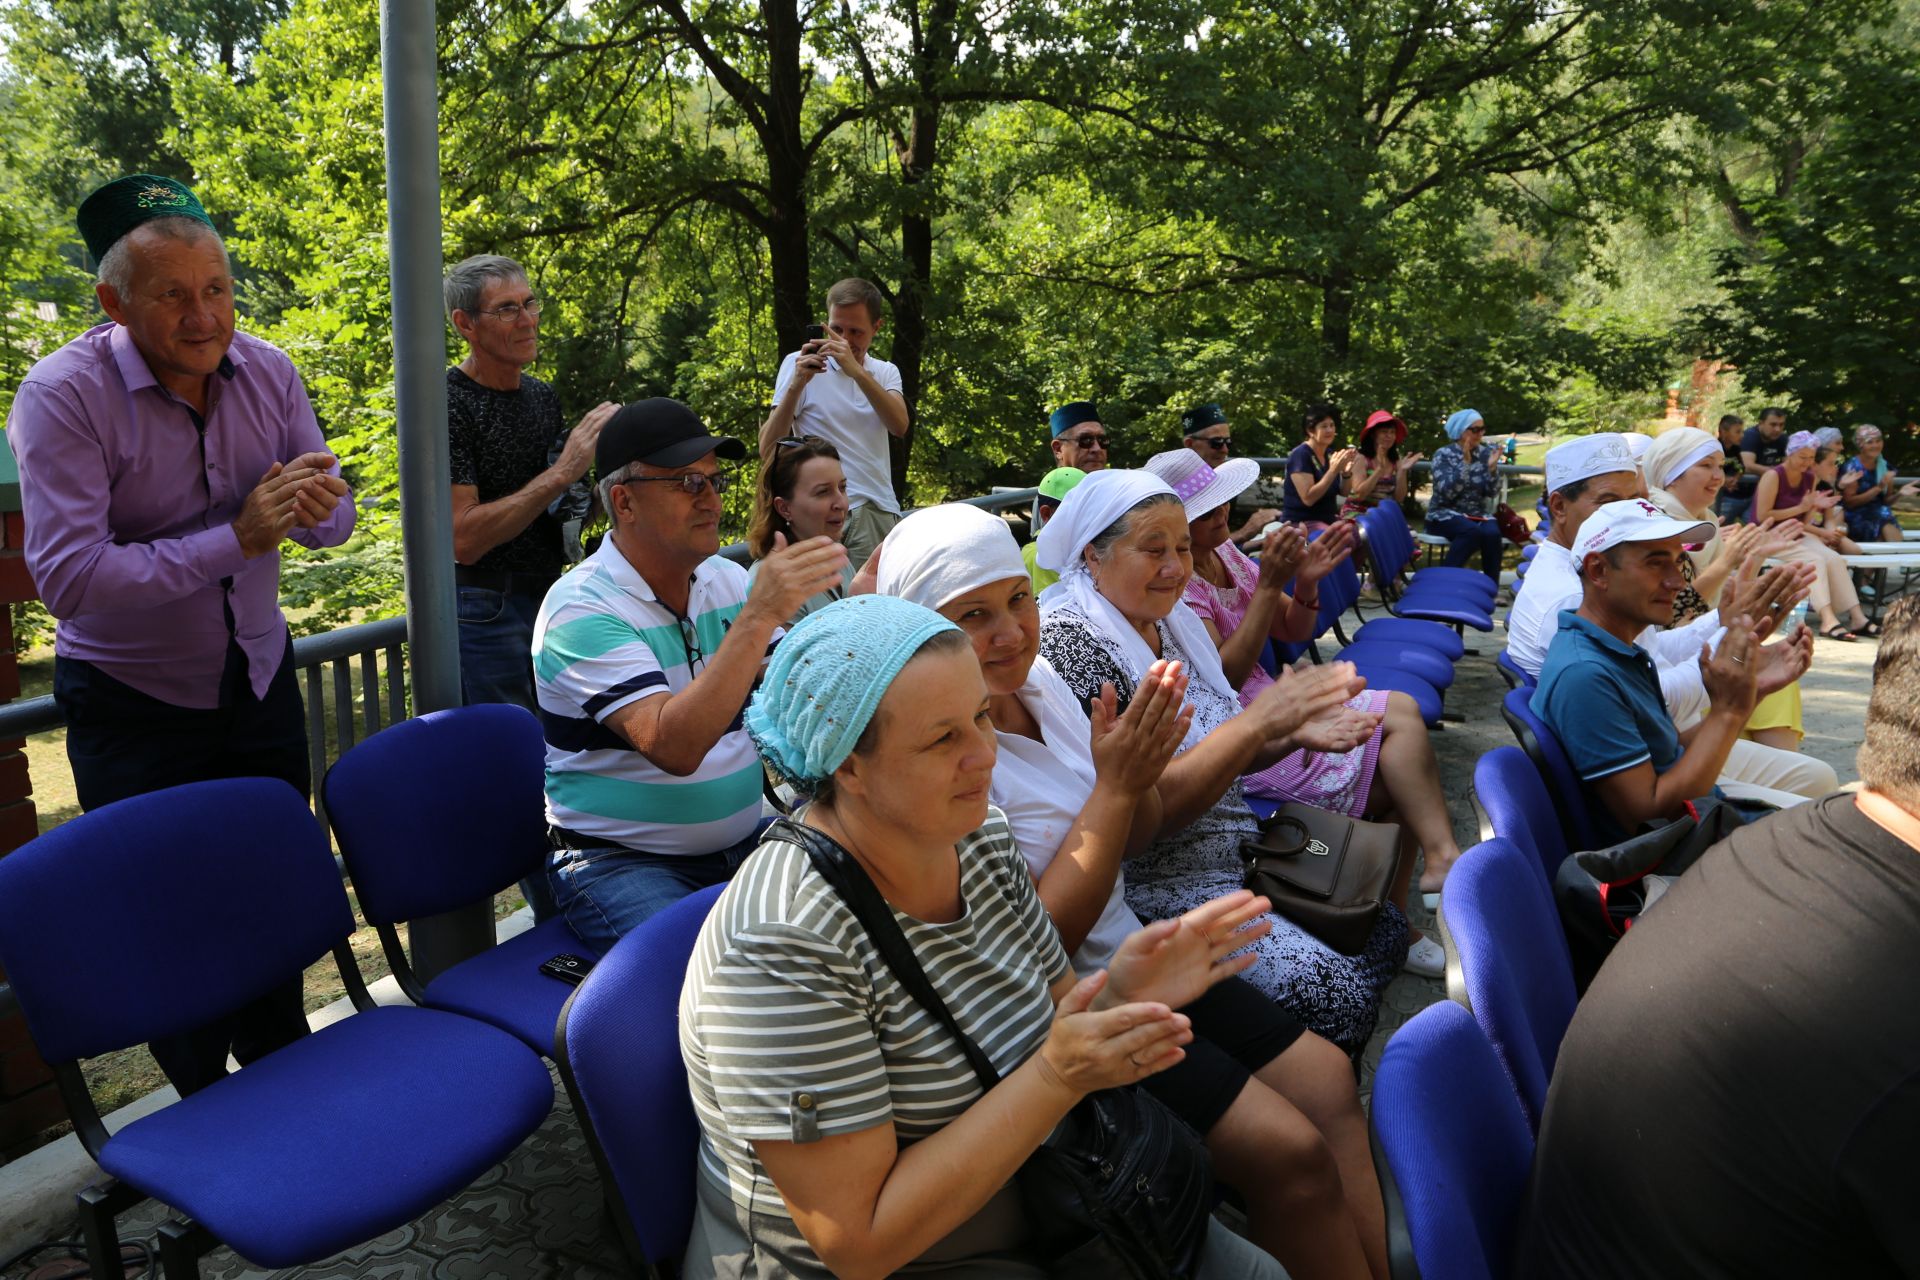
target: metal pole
<point>409,64</point>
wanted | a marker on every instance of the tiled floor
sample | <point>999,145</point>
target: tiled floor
<point>539,1215</point>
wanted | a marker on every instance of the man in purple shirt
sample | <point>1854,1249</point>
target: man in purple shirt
<point>163,459</point>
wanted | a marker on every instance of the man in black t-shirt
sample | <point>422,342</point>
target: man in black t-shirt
<point>1762,448</point>
<point>502,427</point>
<point>1739,1092</point>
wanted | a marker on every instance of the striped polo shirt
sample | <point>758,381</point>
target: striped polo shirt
<point>604,640</point>
<point>794,1029</point>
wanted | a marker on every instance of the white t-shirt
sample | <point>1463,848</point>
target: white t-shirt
<point>603,640</point>
<point>1041,788</point>
<point>1553,583</point>
<point>833,407</point>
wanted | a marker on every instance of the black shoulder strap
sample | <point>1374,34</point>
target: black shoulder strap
<point>850,880</point>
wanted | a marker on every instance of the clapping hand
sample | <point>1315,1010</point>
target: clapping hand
<point>1280,556</point>
<point>1760,599</point>
<point>1297,697</point>
<point>1131,750</point>
<point>1781,664</point>
<point>792,575</point>
<point>1730,674</point>
<point>1334,544</point>
<point>1174,962</point>
<point>1089,1049</point>
<point>1406,463</point>
<point>1337,731</point>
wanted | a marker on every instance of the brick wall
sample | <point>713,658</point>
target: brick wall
<point>28,1100</point>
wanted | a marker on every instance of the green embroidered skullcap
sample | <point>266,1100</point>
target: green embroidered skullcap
<point>125,203</point>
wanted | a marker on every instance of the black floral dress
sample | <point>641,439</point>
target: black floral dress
<point>1337,996</point>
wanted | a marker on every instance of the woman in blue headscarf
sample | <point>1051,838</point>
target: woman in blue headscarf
<point>842,1130</point>
<point>1461,511</point>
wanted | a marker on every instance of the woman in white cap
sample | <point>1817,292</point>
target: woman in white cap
<point>1685,470</point>
<point>1393,776</point>
<point>1276,1102</point>
<point>1787,492</point>
<point>1122,547</point>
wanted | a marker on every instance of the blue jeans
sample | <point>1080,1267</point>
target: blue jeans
<point>606,893</point>
<point>1467,536</point>
<point>1734,508</point>
<point>496,665</point>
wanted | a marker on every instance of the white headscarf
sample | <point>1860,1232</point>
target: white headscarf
<point>1094,505</point>
<point>938,554</point>
<point>1665,461</point>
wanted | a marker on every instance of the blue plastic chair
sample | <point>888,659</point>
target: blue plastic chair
<point>1425,696</point>
<point>446,810</point>
<point>1515,806</point>
<point>619,1052</point>
<point>1513,673</point>
<point>1453,1148</point>
<point>1550,758</point>
<point>1414,659</point>
<point>157,915</point>
<point>1455,608</point>
<point>1451,577</point>
<point>1500,921</point>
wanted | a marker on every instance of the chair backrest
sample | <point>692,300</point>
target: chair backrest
<point>1514,962</point>
<point>441,810</point>
<point>1455,1145</point>
<point>157,914</point>
<point>1550,758</point>
<point>1518,676</point>
<point>1519,809</point>
<point>618,1046</point>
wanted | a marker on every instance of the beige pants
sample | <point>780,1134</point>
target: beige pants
<point>1833,584</point>
<point>866,526</point>
<point>1780,778</point>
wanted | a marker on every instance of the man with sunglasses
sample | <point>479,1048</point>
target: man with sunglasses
<point>1079,440</point>
<point>643,658</point>
<point>1205,430</point>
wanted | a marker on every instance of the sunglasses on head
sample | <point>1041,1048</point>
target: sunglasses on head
<point>795,442</point>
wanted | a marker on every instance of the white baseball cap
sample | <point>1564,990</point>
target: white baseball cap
<point>1635,520</point>
<point>1585,458</point>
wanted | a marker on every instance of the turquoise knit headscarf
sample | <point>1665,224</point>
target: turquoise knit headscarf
<point>1457,425</point>
<point>826,679</point>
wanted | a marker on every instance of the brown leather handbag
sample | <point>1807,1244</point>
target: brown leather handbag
<point>1326,872</point>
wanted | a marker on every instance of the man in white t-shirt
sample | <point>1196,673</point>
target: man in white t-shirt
<point>1589,472</point>
<point>643,657</point>
<point>834,389</point>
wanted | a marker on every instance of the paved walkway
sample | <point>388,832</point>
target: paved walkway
<point>539,1215</point>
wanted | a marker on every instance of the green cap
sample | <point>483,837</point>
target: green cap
<point>125,203</point>
<point>1059,482</point>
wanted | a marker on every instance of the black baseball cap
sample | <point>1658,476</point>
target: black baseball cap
<point>661,433</point>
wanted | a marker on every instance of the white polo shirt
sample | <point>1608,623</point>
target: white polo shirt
<point>833,407</point>
<point>602,641</point>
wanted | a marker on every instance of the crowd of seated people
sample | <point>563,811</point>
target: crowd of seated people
<point>1040,757</point>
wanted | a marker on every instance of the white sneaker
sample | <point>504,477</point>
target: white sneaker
<point>1426,959</point>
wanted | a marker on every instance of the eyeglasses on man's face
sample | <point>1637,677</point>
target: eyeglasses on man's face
<point>1091,440</point>
<point>510,312</point>
<point>1217,443</point>
<point>691,483</point>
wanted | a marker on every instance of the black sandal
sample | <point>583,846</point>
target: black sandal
<point>1838,632</point>
<point>1871,630</point>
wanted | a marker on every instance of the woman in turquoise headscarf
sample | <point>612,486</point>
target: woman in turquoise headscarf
<point>842,1130</point>
<point>1465,474</point>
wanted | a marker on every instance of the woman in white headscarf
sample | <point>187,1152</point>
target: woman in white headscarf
<point>1122,547</point>
<point>1276,1102</point>
<point>1685,469</point>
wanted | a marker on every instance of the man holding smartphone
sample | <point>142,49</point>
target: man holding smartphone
<point>834,389</point>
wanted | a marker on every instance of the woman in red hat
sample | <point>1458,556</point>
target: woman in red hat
<point>1378,469</point>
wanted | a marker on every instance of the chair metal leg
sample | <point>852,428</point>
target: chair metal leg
<point>182,1245</point>
<point>99,1205</point>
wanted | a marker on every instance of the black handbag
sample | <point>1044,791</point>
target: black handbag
<point>1326,872</point>
<point>1122,1190</point>
<point>1601,892</point>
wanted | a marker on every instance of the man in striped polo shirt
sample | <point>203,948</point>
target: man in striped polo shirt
<point>643,658</point>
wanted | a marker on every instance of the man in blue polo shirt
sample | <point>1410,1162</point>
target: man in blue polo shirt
<point>1600,691</point>
<point>643,658</point>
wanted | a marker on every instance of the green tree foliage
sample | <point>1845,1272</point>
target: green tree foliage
<point>1819,305</point>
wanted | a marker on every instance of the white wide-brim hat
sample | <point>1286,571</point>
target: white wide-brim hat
<point>1200,487</point>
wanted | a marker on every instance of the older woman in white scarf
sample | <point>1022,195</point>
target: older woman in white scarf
<point>1685,471</point>
<point>1122,547</point>
<point>1276,1102</point>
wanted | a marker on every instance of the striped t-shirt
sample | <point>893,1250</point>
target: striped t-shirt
<point>794,1029</point>
<point>604,640</point>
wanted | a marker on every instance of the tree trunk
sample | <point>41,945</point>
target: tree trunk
<point>1336,320</point>
<point>788,245</point>
<point>916,280</point>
